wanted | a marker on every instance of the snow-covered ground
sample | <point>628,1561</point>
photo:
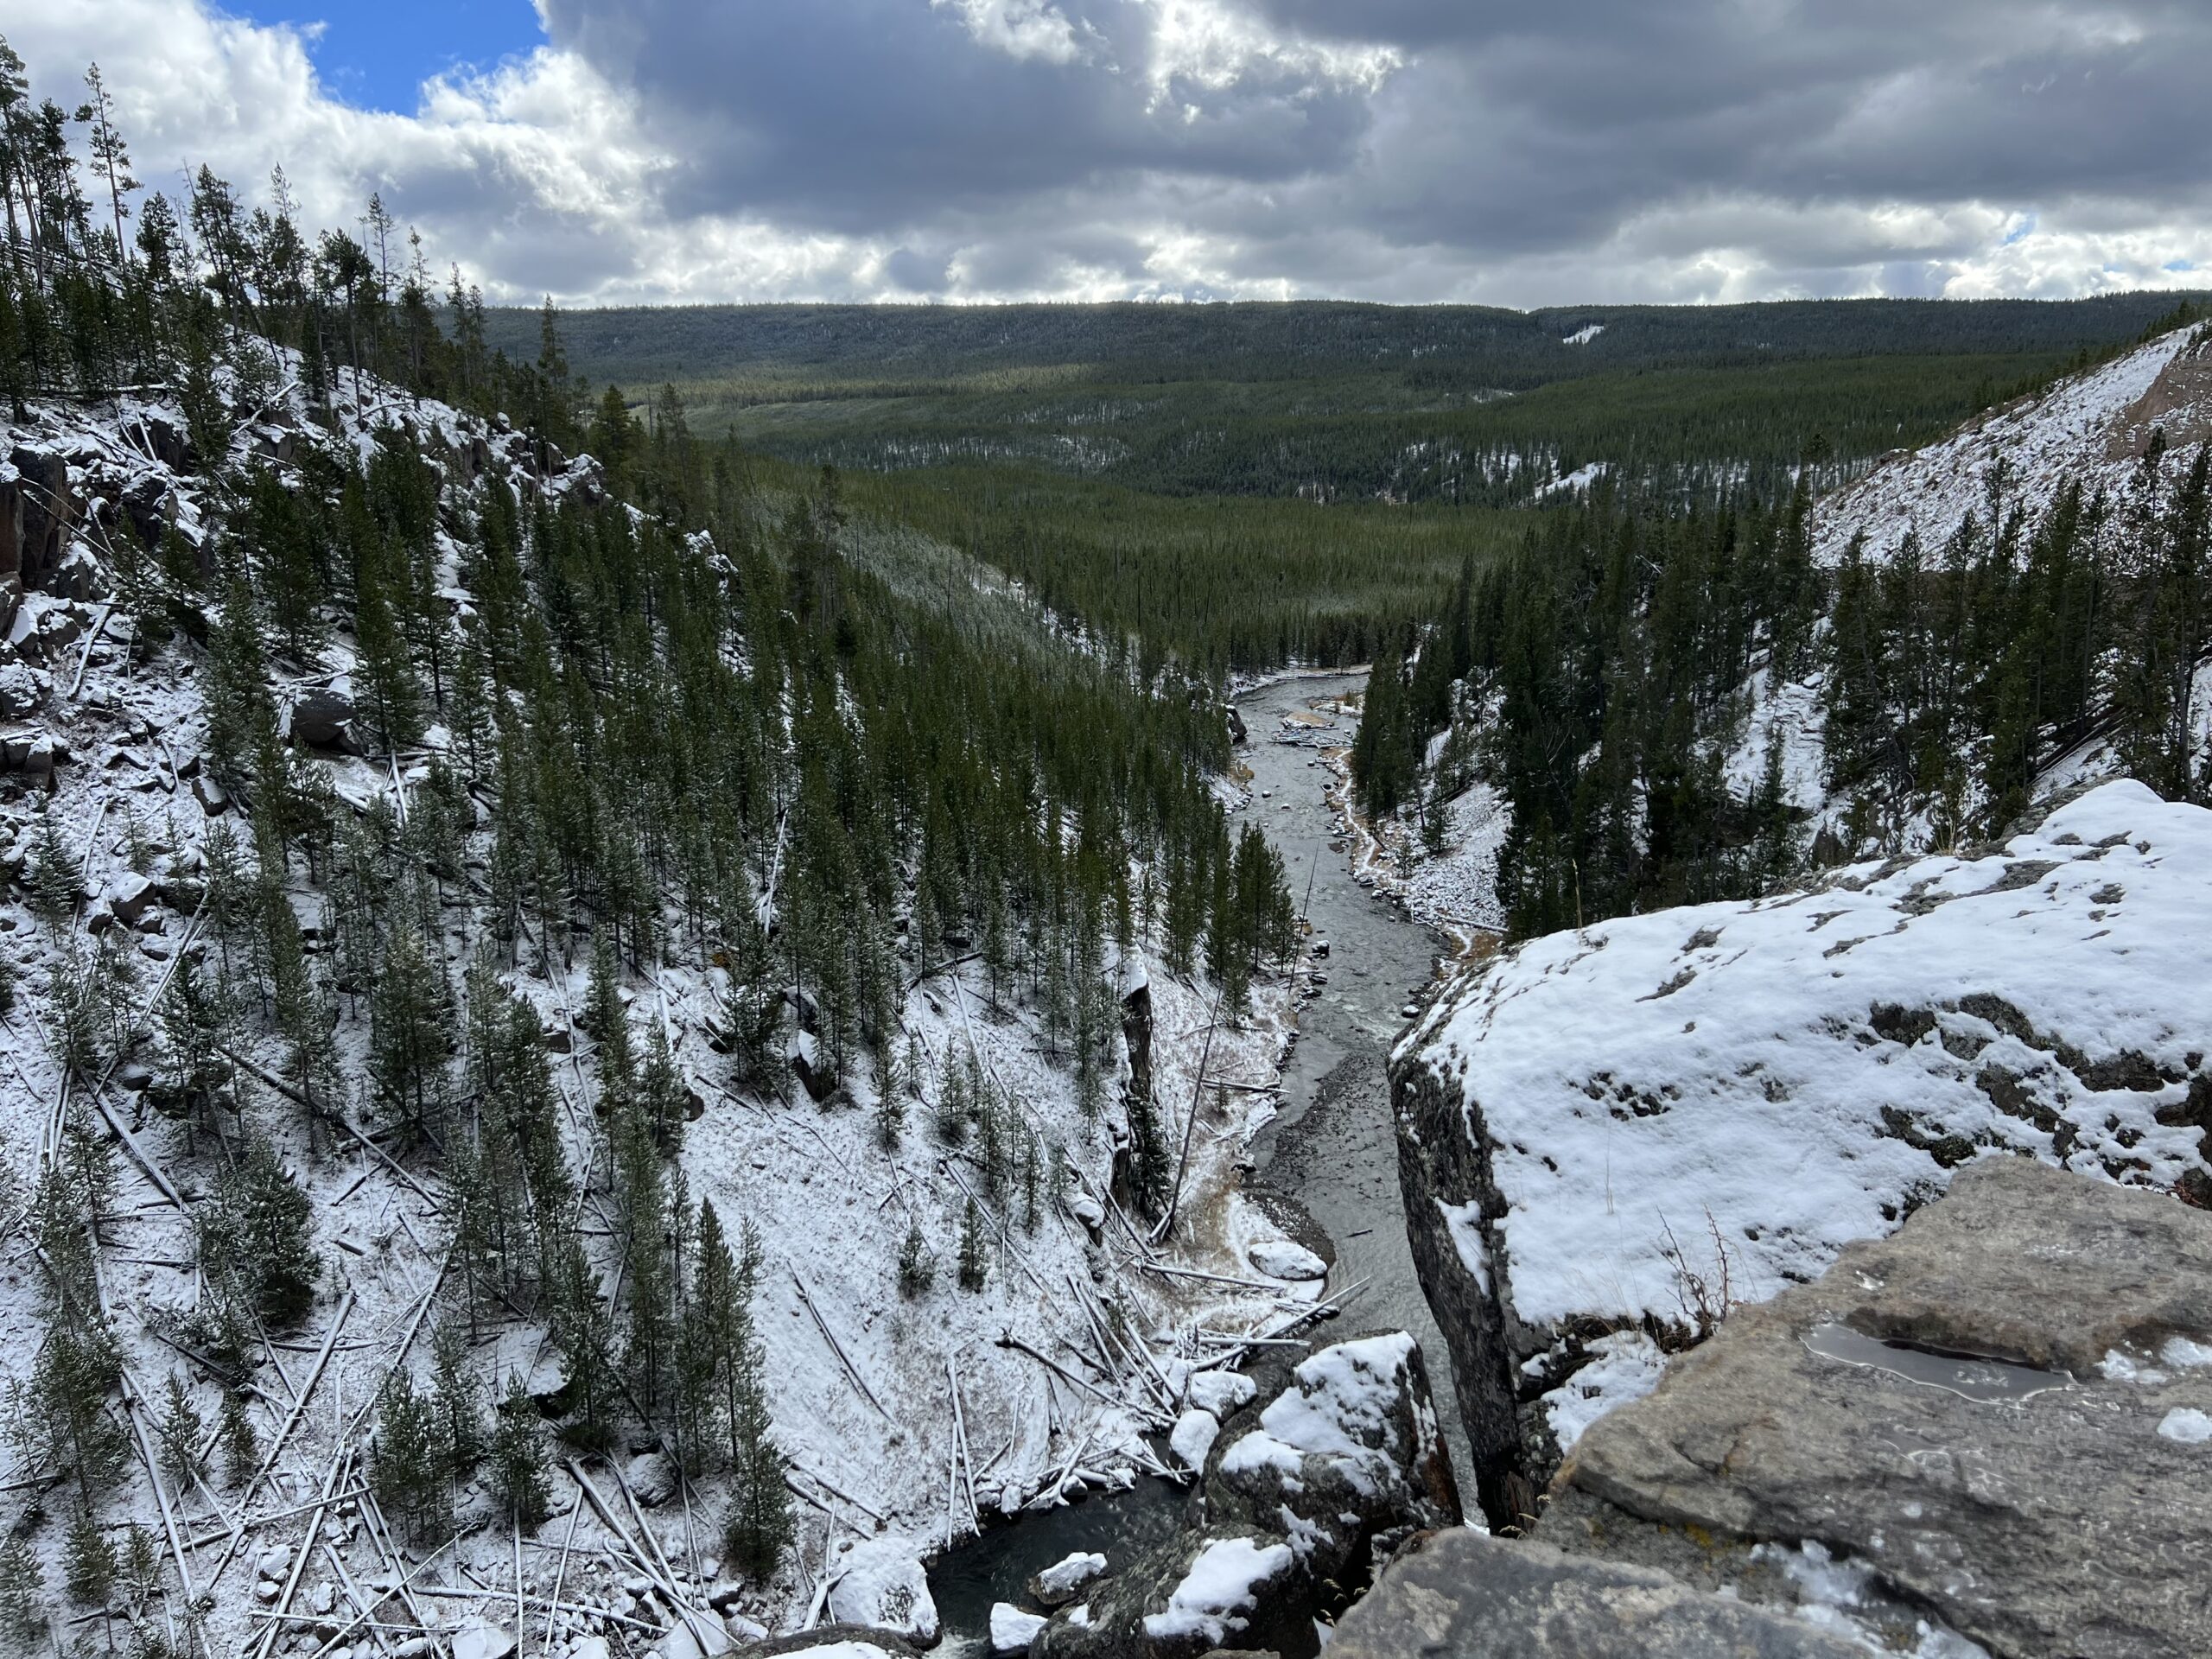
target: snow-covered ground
<point>1685,1110</point>
<point>2092,426</point>
<point>900,1419</point>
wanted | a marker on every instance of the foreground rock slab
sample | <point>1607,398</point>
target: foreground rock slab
<point>1462,1595</point>
<point>1608,1136</point>
<point>2052,1497</point>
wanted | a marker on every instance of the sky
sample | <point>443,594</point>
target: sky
<point>1490,151</point>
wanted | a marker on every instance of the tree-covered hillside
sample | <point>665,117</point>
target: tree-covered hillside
<point>1442,344</point>
<point>486,926</point>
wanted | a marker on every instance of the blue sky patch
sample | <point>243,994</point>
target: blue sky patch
<point>378,56</point>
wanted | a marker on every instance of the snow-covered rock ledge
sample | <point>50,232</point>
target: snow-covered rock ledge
<point>1606,1137</point>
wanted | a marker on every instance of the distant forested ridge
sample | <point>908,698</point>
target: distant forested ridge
<point>1438,345</point>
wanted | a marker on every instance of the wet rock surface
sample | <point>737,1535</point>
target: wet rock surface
<point>1462,1595</point>
<point>2070,1515</point>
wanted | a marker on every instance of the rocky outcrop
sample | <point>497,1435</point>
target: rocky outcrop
<point>1461,1595</point>
<point>1608,1138</point>
<point>2001,1416</point>
<point>1336,1463</point>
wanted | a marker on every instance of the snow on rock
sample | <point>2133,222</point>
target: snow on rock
<point>833,1646</point>
<point>1658,1115</point>
<point>1339,1408</point>
<point>478,1640</point>
<point>2187,1425</point>
<point>880,1584</point>
<point>1192,1437</point>
<point>1059,1581</point>
<point>1012,1630</point>
<point>2093,426</point>
<point>1279,1258</point>
<point>1340,1463</point>
<point>1222,1586</point>
<point>695,1636</point>
<point>1622,1367</point>
<point>1219,1392</point>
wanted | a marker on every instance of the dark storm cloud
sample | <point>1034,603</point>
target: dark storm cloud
<point>867,115</point>
<point>1505,136</point>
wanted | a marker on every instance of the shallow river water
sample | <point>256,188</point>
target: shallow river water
<point>1333,1147</point>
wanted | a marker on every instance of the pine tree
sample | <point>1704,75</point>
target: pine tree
<point>456,1403</point>
<point>916,1269</point>
<point>407,1467</point>
<point>975,1265</point>
<point>408,1041</point>
<point>22,1611</point>
<point>256,1237</point>
<point>57,879</point>
<point>758,1527</point>
<point>142,1567</point>
<point>518,1458</point>
<point>89,1562</point>
<point>241,1446</point>
<point>181,1431</point>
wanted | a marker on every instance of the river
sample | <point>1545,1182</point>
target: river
<point>1333,1147</point>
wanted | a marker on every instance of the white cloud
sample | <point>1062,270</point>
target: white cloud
<point>1229,149</point>
<point>1020,29</point>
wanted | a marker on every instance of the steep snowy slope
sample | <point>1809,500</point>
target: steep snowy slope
<point>898,1417</point>
<point>1609,1136</point>
<point>2093,428</point>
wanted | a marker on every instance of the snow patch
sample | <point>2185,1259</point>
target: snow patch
<point>1221,1583</point>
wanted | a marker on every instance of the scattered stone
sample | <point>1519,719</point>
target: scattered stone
<point>130,896</point>
<point>695,1637</point>
<point>322,718</point>
<point>23,689</point>
<point>272,1561</point>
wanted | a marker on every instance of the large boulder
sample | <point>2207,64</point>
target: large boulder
<point>880,1583</point>
<point>1998,1419</point>
<point>323,717</point>
<point>1608,1137</point>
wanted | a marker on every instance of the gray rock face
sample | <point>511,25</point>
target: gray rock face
<point>1608,1135</point>
<point>1461,1595</point>
<point>2054,1497</point>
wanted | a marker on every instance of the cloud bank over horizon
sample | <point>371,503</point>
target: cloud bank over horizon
<point>695,151</point>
